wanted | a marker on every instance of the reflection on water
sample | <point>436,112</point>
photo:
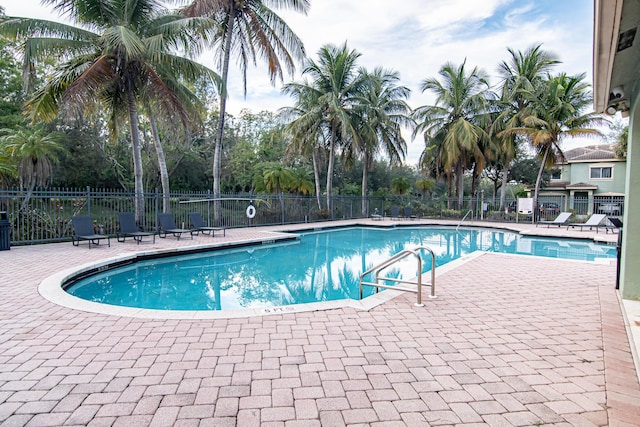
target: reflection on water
<point>321,266</point>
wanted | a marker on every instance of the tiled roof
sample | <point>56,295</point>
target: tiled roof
<point>593,152</point>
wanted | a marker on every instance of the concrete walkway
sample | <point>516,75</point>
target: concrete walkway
<point>510,341</point>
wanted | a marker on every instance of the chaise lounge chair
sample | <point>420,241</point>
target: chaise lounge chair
<point>594,220</point>
<point>167,225</point>
<point>83,230</point>
<point>408,213</point>
<point>376,215</point>
<point>616,224</point>
<point>395,212</point>
<point>128,228</point>
<point>560,220</point>
<point>200,227</point>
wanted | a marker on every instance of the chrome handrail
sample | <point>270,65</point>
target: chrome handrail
<point>392,260</point>
<point>463,218</point>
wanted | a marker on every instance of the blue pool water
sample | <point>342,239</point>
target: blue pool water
<point>319,266</point>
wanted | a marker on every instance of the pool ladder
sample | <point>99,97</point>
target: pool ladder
<point>394,259</point>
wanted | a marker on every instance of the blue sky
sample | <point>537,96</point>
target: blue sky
<point>415,37</point>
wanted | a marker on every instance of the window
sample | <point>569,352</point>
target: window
<point>556,174</point>
<point>603,172</point>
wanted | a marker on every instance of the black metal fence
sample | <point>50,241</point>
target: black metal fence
<point>45,215</point>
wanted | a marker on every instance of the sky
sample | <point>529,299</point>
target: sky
<point>415,38</point>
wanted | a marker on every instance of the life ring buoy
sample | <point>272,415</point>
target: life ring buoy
<point>251,211</point>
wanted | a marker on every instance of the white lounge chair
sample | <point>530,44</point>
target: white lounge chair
<point>594,220</point>
<point>560,220</point>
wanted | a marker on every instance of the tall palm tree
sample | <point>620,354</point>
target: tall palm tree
<point>522,73</point>
<point>452,127</point>
<point>306,126</point>
<point>381,110</point>
<point>121,53</point>
<point>335,82</point>
<point>556,111</point>
<point>250,28</point>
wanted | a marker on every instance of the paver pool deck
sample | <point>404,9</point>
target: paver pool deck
<point>510,341</point>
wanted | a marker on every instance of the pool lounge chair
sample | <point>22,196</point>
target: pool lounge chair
<point>613,224</point>
<point>560,220</point>
<point>167,225</point>
<point>200,227</point>
<point>128,228</point>
<point>83,230</point>
<point>408,213</point>
<point>594,220</point>
<point>376,215</point>
<point>395,212</point>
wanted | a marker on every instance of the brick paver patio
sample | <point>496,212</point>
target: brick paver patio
<point>510,341</point>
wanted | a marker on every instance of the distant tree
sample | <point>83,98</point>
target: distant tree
<point>523,72</point>
<point>525,171</point>
<point>621,143</point>
<point>333,86</point>
<point>380,112</point>
<point>556,111</point>
<point>425,186</point>
<point>452,129</point>
<point>34,150</point>
<point>121,53</point>
<point>400,186</point>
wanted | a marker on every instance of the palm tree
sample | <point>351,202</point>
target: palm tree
<point>277,178</point>
<point>556,111</point>
<point>400,186</point>
<point>34,152</point>
<point>381,110</point>
<point>334,83</point>
<point>306,125</point>
<point>300,183</point>
<point>452,127</point>
<point>524,72</point>
<point>425,186</point>
<point>123,53</point>
<point>250,28</point>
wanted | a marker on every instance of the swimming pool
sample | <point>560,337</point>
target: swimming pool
<point>322,265</point>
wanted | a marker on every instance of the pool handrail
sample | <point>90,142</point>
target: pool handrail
<point>463,218</point>
<point>392,260</point>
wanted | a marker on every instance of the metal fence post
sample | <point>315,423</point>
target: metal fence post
<point>156,206</point>
<point>88,200</point>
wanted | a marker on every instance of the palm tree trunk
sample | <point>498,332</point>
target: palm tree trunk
<point>460,178</point>
<point>316,176</point>
<point>450,189</point>
<point>138,201</point>
<point>365,175</point>
<point>505,178</point>
<point>538,181</point>
<point>25,203</point>
<point>332,155</point>
<point>217,154</point>
<point>162,164</point>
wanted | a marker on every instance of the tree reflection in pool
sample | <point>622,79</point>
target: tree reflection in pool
<point>319,266</point>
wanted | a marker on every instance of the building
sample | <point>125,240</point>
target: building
<point>616,77</point>
<point>590,180</point>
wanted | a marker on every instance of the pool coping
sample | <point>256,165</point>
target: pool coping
<point>52,287</point>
